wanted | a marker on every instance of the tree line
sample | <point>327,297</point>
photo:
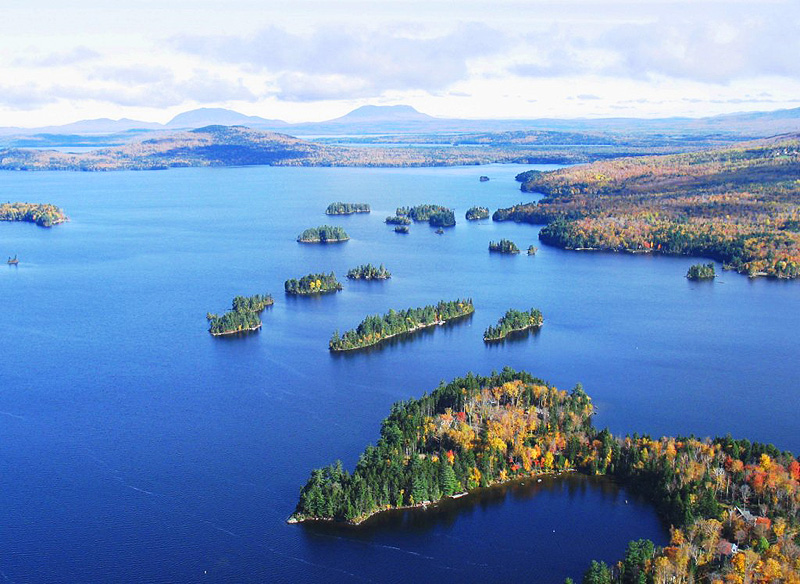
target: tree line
<point>347,208</point>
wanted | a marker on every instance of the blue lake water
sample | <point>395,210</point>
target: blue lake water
<point>136,447</point>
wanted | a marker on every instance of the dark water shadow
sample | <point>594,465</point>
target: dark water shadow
<point>445,513</point>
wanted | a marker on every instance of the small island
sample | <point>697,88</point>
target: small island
<point>503,246</point>
<point>483,178</point>
<point>369,272</point>
<point>312,284</point>
<point>476,213</point>
<point>435,215</point>
<point>347,208</point>
<point>513,321</point>
<point>242,317</point>
<point>701,272</point>
<point>377,328</point>
<point>323,234</point>
<point>398,220</point>
<point>43,215</point>
<point>402,229</point>
<point>532,249</point>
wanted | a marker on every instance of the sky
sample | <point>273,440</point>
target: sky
<point>308,60</point>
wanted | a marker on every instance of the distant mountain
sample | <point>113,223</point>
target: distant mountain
<point>382,113</point>
<point>102,126</point>
<point>211,116</point>
<point>86,127</point>
<point>404,119</point>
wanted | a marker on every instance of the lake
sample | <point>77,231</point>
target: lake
<point>137,447</point>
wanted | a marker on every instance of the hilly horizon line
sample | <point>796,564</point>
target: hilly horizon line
<point>362,115</point>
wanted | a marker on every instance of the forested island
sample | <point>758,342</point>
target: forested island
<point>733,504</point>
<point>377,328</point>
<point>737,205</point>
<point>513,321</point>
<point>532,249</point>
<point>312,284</point>
<point>42,214</point>
<point>323,234</point>
<point>347,208</point>
<point>475,213</point>
<point>398,220</point>
<point>503,246</point>
<point>435,215</point>
<point>701,272</point>
<point>369,272</point>
<point>402,229</point>
<point>243,315</point>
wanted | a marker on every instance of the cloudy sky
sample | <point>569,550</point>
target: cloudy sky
<point>64,60</point>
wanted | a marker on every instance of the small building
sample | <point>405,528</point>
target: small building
<point>726,548</point>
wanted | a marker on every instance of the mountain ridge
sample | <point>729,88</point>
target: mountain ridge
<point>406,119</point>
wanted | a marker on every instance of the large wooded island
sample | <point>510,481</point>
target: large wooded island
<point>476,431</point>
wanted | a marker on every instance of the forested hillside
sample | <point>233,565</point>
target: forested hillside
<point>739,205</point>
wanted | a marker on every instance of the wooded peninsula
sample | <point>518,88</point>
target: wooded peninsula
<point>737,205</point>
<point>243,315</point>
<point>377,328</point>
<point>323,234</point>
<point>733,505</point>
<point>513,321</point>
<point>42,214</point>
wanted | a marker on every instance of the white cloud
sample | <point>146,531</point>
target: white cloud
<point>368,60</point>
<point>79,54</point>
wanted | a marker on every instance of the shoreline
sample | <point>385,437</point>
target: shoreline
<point>247,330</point>
<point>292,520</point>
<point>314,293</point>
<point>322,241</point>
<point>516,330</point>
